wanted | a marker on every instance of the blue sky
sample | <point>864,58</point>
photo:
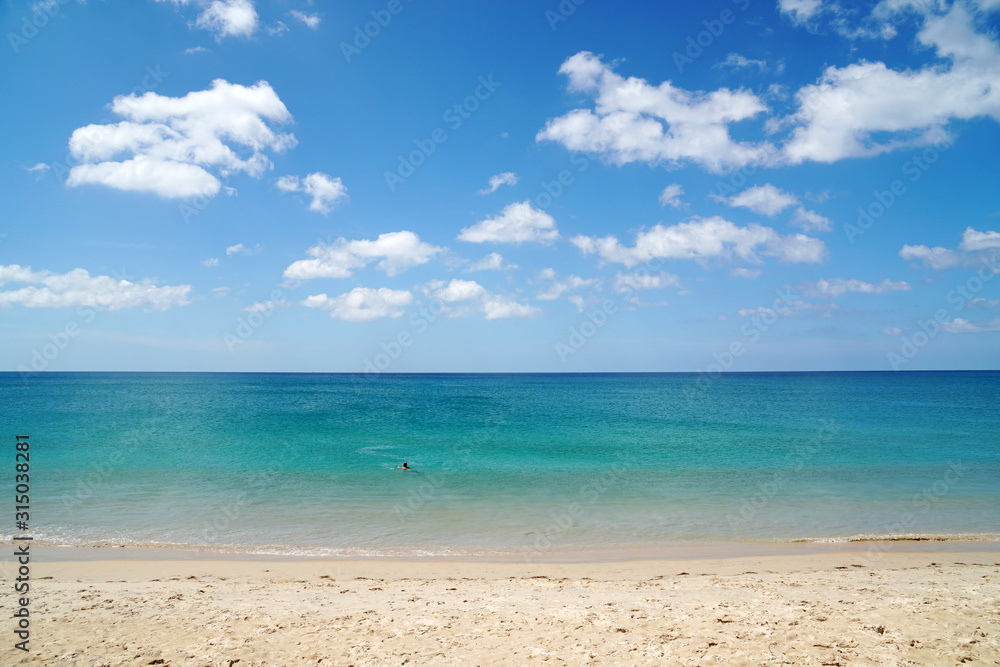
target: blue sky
<point>397,186</point>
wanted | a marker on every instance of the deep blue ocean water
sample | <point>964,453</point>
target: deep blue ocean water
<point>503,464</point>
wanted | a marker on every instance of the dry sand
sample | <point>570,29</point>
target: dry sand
<point>940,608</point>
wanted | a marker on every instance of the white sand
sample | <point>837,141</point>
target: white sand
<point>939,608</point>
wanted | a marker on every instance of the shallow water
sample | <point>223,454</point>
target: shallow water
<point>505,464</point>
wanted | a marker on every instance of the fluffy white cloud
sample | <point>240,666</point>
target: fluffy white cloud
<point>800,10</point>
<point>835,287</point>
<point>396,252</point>
<point>493,306</point>
<point>167,145</point>
<point>703,239</point>
<point>975,249</point>
<point>811,221</point>
<point>311,20</point>
<point>671,196</point>
<point>866,108</point>
<point>40,167</point>
<point>502,308</point>
<point>492,262</point>
<point>460,290</point>
<point>764,199</point>
<point>506,178</point>
<point>633,120</point>
<point>325,191</point>
<point>517,223</point>
<point>45,289</point>
<point>229,18</point>
<point>362,304</point>
<point>959,325</point>
<point>638,280</point>
<point>226,18</point>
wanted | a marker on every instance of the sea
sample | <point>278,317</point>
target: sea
<point>505,466</point>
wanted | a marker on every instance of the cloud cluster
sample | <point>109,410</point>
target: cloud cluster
<point>470,295</point>
<point>633,120</point>
<point>866,109</point>
<point>960,325</point>
<point>45,289</point>
<point>395,252</point>
<point>517,223</point>
<point>833,288</point>
<point>362,304</point>
<point>858,110</point>
<point>326,192</point>
<point>705,239</point>
<point>975,248</point>
<point>167,145</point>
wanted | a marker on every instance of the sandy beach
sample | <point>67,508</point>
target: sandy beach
<point>844,608</point>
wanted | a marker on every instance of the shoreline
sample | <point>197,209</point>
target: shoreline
<point>870,549</point>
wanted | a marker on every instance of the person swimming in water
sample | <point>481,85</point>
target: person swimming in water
<point>404,467</point>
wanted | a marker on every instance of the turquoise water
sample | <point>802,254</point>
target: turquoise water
<point>504,464</point>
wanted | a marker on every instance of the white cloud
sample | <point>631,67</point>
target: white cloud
<point>764,199</point>
<point>517,223</point>
<point>460,290</point>
<point>41,166</point>
<point>362,304</point>
<point>560,287</point>
<point>743,272</point>
<point>892,331</point>
<point>506,178</point>
<point>493,306</point>
<point>170,143</point>
<point>703,239</point>
<point>959,325</point>
<point>265,306</point>
<point>311,20</point>
<point>195,49</point>
<point>811,221</point>
<point>492,262</point>
<point>975,249</point>
<point>738,61</point>
<point>501,308</point>
<point>866,109</point>
<point>633,120</point>
<point>326,192</point>
<point>671,196</point>
<point>833,288</point>
<point>638,280</point>
<point>396,252</point>
<point>240,249</point>
<point>45,289</point>
<point>212,261</point>
<point>800,11</point>
<point>229,18</point>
